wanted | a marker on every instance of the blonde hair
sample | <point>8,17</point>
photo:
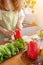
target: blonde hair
<point>15,5</point>
<point>1,6</point>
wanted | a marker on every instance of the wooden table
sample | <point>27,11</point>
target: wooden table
<point>21,59</point>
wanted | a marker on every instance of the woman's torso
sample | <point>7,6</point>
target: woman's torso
<point>9,21</point>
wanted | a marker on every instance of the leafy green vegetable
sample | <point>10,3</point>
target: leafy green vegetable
<point>1,57</point>
<point>20,44</point>
<point>12,49</point>
<point>2,50</point>
<point>8,53</point>
<point>8,50</point>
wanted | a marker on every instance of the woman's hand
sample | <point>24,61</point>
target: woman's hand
<point>19,26</point>
<point>7,32</point>
<point>20,21</point>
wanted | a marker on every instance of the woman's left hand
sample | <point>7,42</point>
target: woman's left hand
<point>19,26</point>
<point>20,21</point>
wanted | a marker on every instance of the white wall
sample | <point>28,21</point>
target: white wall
<point>30,18</point>
<point>39,9</point>
<point>37,16</point>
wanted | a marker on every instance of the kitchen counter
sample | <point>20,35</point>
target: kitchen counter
<point>28,29</point>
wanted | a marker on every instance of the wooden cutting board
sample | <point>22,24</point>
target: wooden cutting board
<point>22,59</point>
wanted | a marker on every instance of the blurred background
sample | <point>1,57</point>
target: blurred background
<point>34,16</point>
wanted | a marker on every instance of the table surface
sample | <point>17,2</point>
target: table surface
<point>19,59</point>
<point>22,59</point>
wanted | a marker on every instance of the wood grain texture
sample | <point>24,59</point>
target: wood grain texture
<point>16,60</point>
<point>22,59</point>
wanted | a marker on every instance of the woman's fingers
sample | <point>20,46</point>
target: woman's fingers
<point>19,26</point>
<point>9,33</point>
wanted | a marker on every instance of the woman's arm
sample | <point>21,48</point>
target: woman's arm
<point>8,33</point>
<point>20,21</point>
<point>1,29</point>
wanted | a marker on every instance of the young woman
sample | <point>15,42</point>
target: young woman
<point>10,18</point>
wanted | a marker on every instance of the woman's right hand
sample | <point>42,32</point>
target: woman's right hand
<point>8,33</point>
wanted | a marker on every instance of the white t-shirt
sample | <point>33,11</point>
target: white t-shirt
<point>21,13</point>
